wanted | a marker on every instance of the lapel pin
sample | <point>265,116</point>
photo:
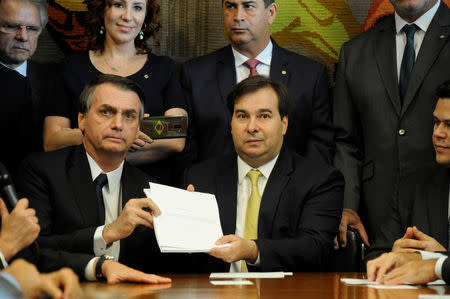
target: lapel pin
<point>146,76</point>
<point>442,36</point>
<point>283,72</point>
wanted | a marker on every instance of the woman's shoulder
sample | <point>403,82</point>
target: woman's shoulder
<point>160,60</point>
<point>78,61</point>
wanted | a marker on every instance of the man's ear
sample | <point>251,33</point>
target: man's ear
<point>272,11</point>
<point>81,119</point>
<point>285,124</point>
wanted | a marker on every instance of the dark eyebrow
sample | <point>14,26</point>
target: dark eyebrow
<point>265,110</point>
<point>131,111</point>
<point>240,110</point>
<point>109,107</point>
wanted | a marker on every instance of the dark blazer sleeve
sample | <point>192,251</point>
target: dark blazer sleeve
<point>35,184</point>
<point>348,157</point>
<point>306,246</point>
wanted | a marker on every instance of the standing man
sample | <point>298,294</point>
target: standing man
<point>208,80</point>
<point>88,199</point>
<point>383,102</point>
<point>25,84</point>
<point>278,210</point>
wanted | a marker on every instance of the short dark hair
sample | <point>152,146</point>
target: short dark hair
<point>443,90</point>
<point>266,2</point>
<point>87,95</point>
<point>95,20</point>
<point>255,83</point>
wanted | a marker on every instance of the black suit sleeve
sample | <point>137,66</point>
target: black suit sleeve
<point>321,139</point>
<point>35,185</point>
<point>348,157</point>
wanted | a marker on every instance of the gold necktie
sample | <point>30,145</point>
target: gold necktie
<point>251,215</point>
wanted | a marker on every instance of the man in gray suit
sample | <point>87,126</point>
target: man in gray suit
<point>383,102</point>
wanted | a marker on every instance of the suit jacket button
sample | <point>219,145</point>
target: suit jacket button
<point>401,132</point>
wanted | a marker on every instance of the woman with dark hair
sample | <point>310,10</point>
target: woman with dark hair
<point>118,33</point>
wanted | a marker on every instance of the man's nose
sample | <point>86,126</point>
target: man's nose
<point>22,33</point>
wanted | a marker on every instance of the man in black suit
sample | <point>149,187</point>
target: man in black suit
<point>279,211</point>
<point>89,201</point>
<point>25,84</point>
<point>383,101</point>
<point>428,210</point>
<point>207,81</point>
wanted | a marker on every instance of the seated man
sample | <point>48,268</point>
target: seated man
<point>430,200</point>
<point>278,210</point>
<point>89,201</point>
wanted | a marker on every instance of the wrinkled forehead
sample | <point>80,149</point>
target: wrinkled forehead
<point>19,12</point>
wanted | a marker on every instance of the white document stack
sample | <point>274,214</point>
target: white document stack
<point>189,221</point>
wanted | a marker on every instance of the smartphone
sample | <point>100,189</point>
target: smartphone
<point>160,127</point>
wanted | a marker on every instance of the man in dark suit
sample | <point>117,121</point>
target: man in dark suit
<point>279,211</point>
<point>89,201</point>
<point>207,81</point>
<point>383,102</point>
<point>26,83</point>
<point>427,209</point>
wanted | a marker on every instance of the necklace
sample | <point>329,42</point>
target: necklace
<point>113,68</point>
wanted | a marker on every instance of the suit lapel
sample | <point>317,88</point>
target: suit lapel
<point>226,74</point>
<point>226,186</point>
<point>433,42</point>
<point>279,177</point>
<point>384,49</point>
<point>279,66</point>
<point>130,186</point>
<point>80,176</point>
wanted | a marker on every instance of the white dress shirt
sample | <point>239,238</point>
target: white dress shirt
<point>22,69</point>
<point>263,68</point>
<point>243,195</point>
<point>400,38</point>
<point>112,197</point>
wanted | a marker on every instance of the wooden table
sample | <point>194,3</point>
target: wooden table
<point>300,285</point>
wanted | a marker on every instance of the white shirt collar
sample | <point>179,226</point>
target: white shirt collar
<point>264,57</point>
<point>423,22</point>
<point>244,168</point>
<point>113,176</point>
<point>22,69</point>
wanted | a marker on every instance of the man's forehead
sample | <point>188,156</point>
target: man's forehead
<point>116,97</point>
<point>23,12</point>
<point>243,1</point>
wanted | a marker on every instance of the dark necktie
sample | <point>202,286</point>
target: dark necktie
<point>100,181</point>
<point>409,57</point>
<point>251,64</point>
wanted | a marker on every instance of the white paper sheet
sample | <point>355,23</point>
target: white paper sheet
<point>249,274</point>
<point>231,282</point>
<point>356,281</point>
<point>189,221</point>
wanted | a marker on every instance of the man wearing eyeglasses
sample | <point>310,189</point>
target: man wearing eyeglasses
<point>24,83</point>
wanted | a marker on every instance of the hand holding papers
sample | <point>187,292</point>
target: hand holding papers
<point>189,221</point>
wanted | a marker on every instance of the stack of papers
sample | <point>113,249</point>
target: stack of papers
<point>189,221</point>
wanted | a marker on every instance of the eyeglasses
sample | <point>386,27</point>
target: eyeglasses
<point>12,28</point>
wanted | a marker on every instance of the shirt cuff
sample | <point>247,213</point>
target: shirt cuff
<point>3,260</point>
<point>100,245</point>
<point>89,272</point>
<point>429,255</point>
<point>11,280</point>
<point>257,262</point>
<point>438,266</point>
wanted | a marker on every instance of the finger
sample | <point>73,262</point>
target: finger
<point>396,276</point>
<point>3,209</point>
<point>134,147</point>
<point>384,268</point>
<point>139,143</point>
<point>69,282</point>
<point>146,202</point>
<point>226,239</point>
<point>408,234</point>
<point>49,287</point>
<point>420,235</point>
<point>22,204</point>
<point>335,243</point>
<point>408,244</point>
<point>145,218</point>
<point>146,115</point>
<point>190,188</point>
<point>144,137</point>
<point>362,233</point>
<point>372,268</point>
<point>343,234</point>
